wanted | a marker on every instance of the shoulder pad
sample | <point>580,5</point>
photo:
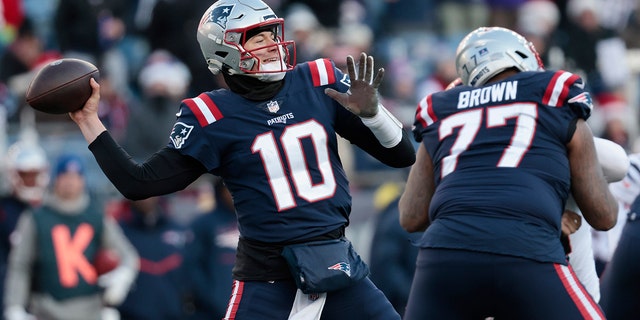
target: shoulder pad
<point>558,88</point>
<point>204,109</point>
<point>425,113</point>
<point>322,72</point>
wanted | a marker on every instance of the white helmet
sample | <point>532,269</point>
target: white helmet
<point>28,171</point>
<point>487,51</point>
<point>225,27</point>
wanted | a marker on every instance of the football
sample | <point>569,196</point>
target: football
<point>61,86</point>
<point>105,261</point>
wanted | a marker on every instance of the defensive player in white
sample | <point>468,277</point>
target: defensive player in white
<point>615,164</point>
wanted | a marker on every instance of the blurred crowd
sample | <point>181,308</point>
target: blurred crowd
<point>149,61</point>
<point>149,58</point>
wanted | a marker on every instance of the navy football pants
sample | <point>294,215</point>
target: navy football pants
<point>252,300</point>
<point>620,281</point>
<point>458,284</point>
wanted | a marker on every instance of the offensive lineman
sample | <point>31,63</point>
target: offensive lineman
<point>498,159</point>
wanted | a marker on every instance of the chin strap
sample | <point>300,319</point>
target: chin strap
<point>386,128</point>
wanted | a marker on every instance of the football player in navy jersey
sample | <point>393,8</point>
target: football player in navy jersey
<point>499,156</point>
<point>272,137</point>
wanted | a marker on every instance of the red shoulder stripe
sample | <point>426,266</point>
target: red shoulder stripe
<point>322,72</point>
<point>425,113</point>
<point>234,302</point>
<point>204,109</point>
<point>558,88</point>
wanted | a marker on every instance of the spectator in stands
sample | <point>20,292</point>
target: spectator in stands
<point>51,273</point>
<point>91,30</point>
<point>164,82</point>
<point>159,291</point>
<point>593,50</point>
<point>20,60</point>
<point>211,255</point>
<point>27,174</point>
<point>393,256</point>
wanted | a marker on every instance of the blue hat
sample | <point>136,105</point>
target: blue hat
<point>69,163</point>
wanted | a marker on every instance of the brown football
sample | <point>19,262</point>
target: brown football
<point>61,86</point>
<point>105,261</point>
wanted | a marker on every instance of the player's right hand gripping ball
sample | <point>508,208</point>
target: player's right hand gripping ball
<point>62,86</point>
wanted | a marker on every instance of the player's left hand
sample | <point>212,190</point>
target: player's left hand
<point>362,97</point>
<point>571,222</point>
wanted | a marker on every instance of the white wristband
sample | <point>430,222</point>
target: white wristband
<point>386,128</point>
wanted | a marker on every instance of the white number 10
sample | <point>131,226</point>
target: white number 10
<point>267,146</point>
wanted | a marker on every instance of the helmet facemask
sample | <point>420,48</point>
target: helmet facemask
<point>227,25</point>
<point>251,65</point>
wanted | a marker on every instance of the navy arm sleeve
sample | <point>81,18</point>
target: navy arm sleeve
<point>164,172</point>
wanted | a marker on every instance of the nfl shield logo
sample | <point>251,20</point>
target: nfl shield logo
<point>273,106</point>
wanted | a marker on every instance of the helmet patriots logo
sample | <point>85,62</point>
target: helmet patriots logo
<point>341,266</point>
<point>220,15</point>
<point>180,133</point>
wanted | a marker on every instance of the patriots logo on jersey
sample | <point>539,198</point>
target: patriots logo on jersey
<point>583,98</point>
<point>346,80</point>
<point>220,15</point>
<point>341,266</point>
<point>180,133</point>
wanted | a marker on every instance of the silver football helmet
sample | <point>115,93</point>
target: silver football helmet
<point>487,51</point>
<point>225,27</point>
<point>27,171</point>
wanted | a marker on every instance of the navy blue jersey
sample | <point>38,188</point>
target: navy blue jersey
<point>279,158</point>
<point>500,163</point>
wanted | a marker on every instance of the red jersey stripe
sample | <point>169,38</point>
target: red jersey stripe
<point>234,301</point>
<point>583,301</point>
<point>212,106</point>
<point>204,109</point>
<point>425,113</point>
<point>558,88</point>
<point>322,72</point>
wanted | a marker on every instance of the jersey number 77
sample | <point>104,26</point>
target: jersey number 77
<point>470,122</point>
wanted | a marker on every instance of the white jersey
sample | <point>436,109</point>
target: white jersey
<point>625,191</point>
<point>615,164</point>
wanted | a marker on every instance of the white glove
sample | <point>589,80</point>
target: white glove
<point>116,284</point>
<point>17,312</point>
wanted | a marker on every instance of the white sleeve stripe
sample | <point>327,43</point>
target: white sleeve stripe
<point>575,288</point>
<point>322,72</point>
<point>424,111</point>
<point>205,110</point>
<point>557,88</point>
